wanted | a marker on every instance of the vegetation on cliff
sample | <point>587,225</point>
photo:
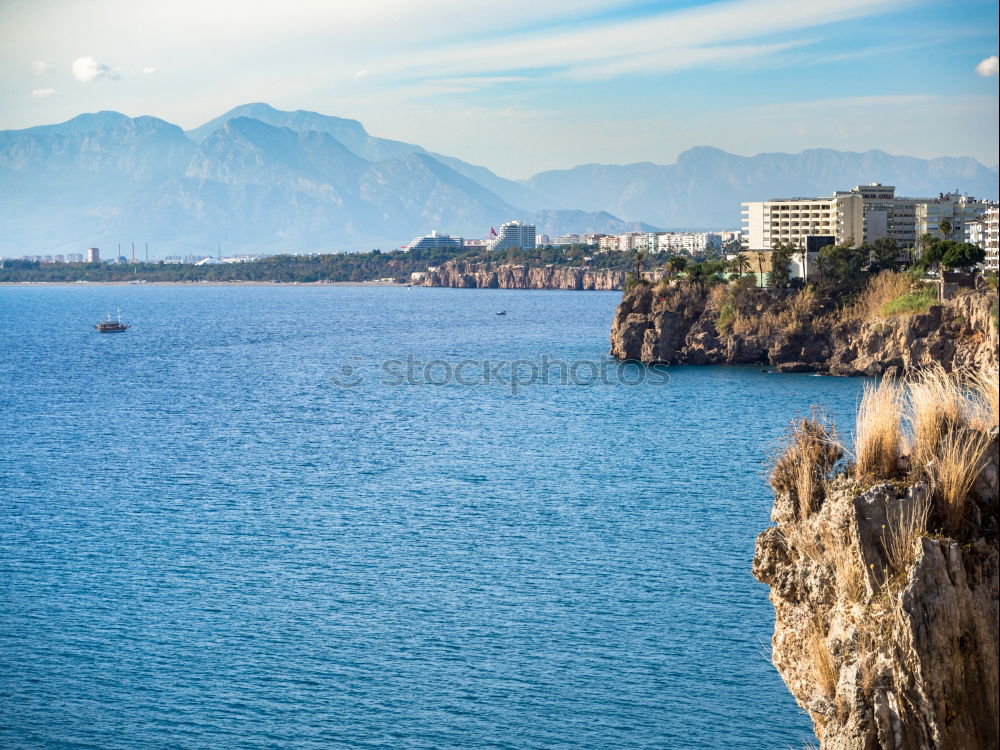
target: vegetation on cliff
<point>883,566</point>
<point>893,322</point>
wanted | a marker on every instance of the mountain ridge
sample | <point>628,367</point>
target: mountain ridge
<point>258,178</point>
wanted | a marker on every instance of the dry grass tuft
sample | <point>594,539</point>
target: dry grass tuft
<point>906,523</point>
<point>958,462</point>
<point>881,289</point>
<point>878,431</point>
<point>823,667</point>
<point>937,405</point>
<point>985,386</point>
<point>810,453</point>
<point>847,567</point>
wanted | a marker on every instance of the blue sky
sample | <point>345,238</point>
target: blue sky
<point>526,85</point>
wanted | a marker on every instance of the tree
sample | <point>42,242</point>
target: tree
<point>676,264</point>
<point>740,264</point>
<point>945,226</point>
<point>962,255</point>
<point>884,254</point>
<point>841,267</point>
<point>781,266</point>
<point>639,258</point>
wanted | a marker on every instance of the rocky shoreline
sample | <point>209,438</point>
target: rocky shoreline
<point>503,276</point>
<point>680,322</point>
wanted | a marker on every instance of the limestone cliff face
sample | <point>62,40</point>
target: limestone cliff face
<point>887,648</point>
<point>494,276</point>
<point>680,323</point>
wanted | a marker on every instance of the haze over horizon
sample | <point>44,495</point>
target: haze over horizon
<point>521,87</point>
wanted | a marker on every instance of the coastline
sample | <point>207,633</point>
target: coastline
<point>201,283</point>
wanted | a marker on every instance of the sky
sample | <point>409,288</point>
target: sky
<point>521,86</point>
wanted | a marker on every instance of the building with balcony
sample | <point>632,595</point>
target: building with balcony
<point>983,233</point>
<point>863,214</point>
<point>513,234</point>
<point>959,210</point>
<point>435,241</point>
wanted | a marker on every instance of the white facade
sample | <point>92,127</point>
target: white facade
<point>958,209</point>
<point>435,241</point>
<point>984,233</point>
<point>93,255</point>
<point>513,234</point>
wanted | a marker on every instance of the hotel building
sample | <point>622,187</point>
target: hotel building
<point>513,234</point>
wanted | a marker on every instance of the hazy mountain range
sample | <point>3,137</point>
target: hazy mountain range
<point>260,179</point>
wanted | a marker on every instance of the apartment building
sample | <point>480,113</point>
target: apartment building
<point>863,214</point>
<point>984,233</point>
<point>958,209</point>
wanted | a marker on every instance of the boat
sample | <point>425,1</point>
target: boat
<point>112,325</point>
<point>502,312</point>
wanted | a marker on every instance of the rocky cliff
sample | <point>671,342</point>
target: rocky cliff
<point>502,276</point>
<point>684,323</point>
<point>885,588</point>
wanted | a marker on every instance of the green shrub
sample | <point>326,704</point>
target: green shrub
<point>910,303</point>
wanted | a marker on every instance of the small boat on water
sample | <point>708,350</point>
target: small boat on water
<point>501,312</point>
<point>112,325</point>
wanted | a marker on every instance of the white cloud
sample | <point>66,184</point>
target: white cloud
<point>42,93</point>
<point>148,69</point>
<point>86,69</point>
<point>40,68</point>
<point>989,67</point>
<point>360,74</point>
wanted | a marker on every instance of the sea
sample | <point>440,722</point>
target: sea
<point>377,517</point>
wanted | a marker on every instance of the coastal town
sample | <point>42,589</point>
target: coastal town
<point>794,230</point>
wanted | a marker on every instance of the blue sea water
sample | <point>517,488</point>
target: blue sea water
<point>205,541</point>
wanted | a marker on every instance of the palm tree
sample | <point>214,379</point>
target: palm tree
<point>676,264</point>
<point>740,263</point>
<point>945,226</point>
<point>639,258</point>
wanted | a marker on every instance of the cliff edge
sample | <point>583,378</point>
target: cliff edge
<point>883,570</point>
<point>887,330</point>
<point>505,276</point>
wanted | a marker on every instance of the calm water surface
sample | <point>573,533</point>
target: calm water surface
<point>205,542</point>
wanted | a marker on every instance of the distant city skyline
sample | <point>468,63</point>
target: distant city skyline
<point>522,86</point>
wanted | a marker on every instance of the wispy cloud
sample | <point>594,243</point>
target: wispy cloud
<point>86,69</point>
<point>40,68</point>
<point>989,67</point>
<point>713,34</point>
<point>148,69</point>
<point>42,93</point>
<point>360,74</point>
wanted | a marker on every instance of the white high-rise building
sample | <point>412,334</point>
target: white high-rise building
<point>513,234</point>
<point>863,214</point>
<point>984,233</point>
<point>93,255</point>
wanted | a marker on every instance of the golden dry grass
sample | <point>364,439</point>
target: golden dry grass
<point>906,523</point>
<point>985,387</point>
<point>794,316</point>
<point>936,405</point>
<point>847,567</point>
<point>880,290</point>
<point>958,462</point>
<point>878,432</point>
<point>810,453</point>
<point>823,667</point>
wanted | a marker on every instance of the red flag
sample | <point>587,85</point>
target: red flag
<point>493,232</point>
